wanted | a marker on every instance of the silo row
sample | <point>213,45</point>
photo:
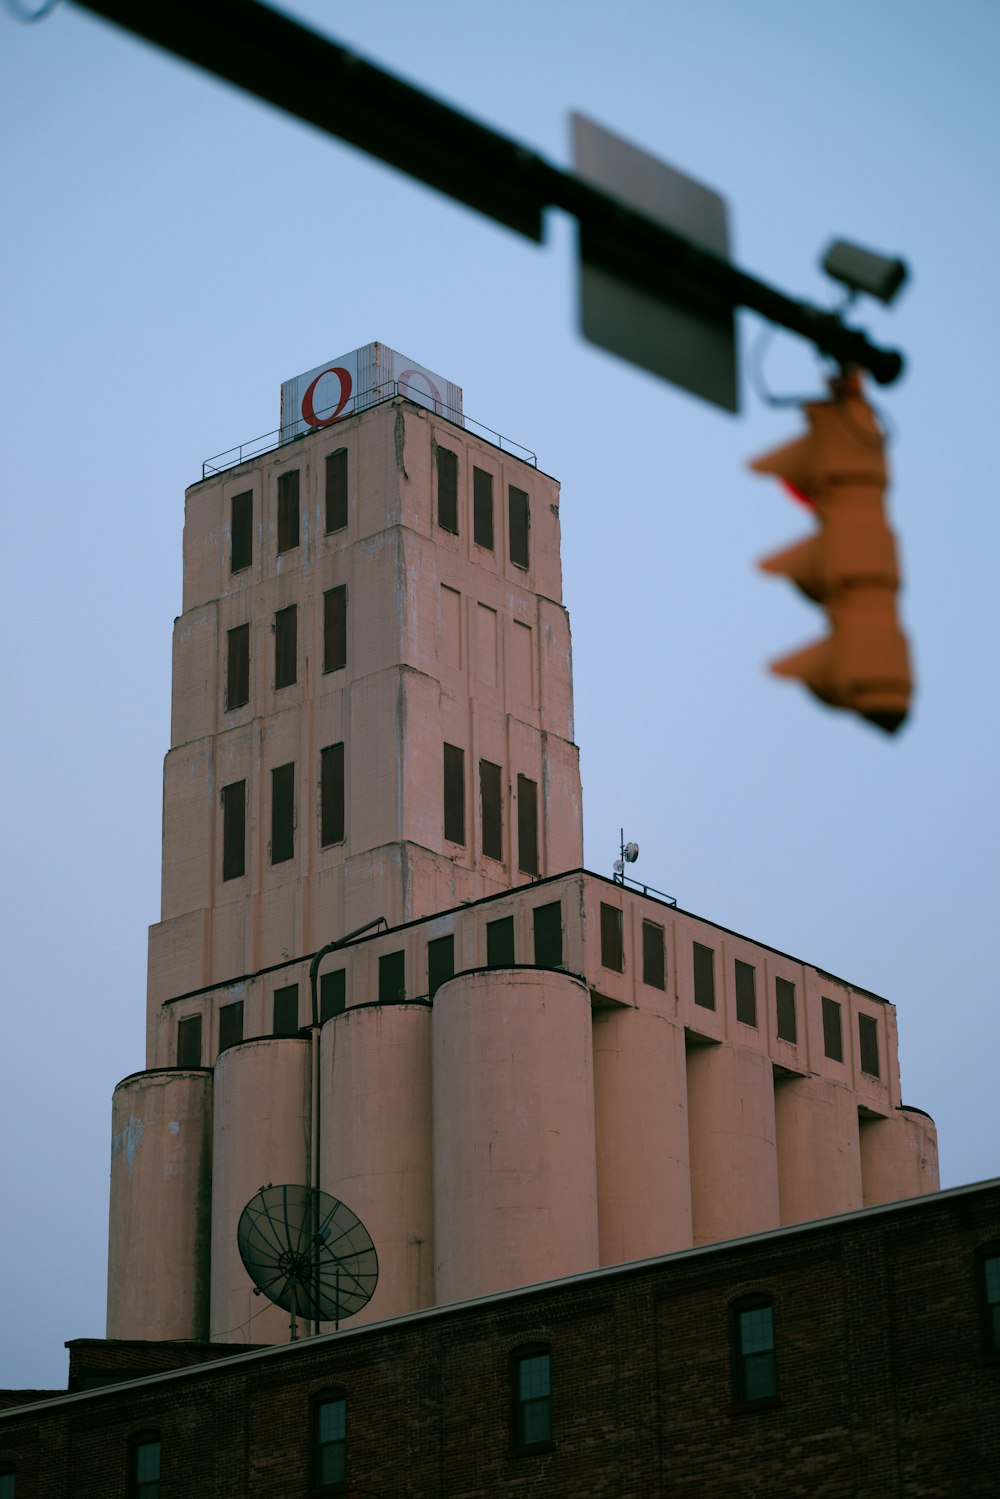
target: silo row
<point>500,1137</point>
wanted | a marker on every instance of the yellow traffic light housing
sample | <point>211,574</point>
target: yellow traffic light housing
<point>849,565</point>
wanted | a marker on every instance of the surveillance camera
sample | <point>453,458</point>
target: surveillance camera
<point>863,270</point>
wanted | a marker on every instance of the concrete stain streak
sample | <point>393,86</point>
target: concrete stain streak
<point>127,1141</point>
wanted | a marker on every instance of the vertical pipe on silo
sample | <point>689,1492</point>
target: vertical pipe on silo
<point>640,1106</point>
<point>734,1164</point>
<point>515,1175</point>
<point>819,1151</point>
<point>375,1150</point>
<point>261,1138</point>
<point>161,1174</point>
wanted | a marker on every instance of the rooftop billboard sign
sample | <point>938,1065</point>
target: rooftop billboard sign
<point>352,382</point>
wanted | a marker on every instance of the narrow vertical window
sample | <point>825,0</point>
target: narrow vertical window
<point>989,1297</point>
<point>237,667</point>
<point>653,965</point>
<point>440,963</point>
<point>754,1374</point>
<point>286,635</point>
<point>230,1024</point>
<point>527,825</point>
<point>517,508</point>
<point>833,1039</point>
<point>482,508</point>
<point>335,628</point>
<point>286,1011</point>
<point>746,993</point>
<point>329,1440</point>
<point>704,976</point>
<point>8,1481</point>
<point>331,795</point>
<point>447,467</point>
<point>500,943</point>
<point>491,795</point>
<point>189,1041</point>
<point>784,1001</point>
<point>612,945</point>
<point>454,794</point>
<point>282,813</point>
<point>531,1372</point>
<point>288,510</point>
<point>144,1466</point>
<point>241,531</point>
<point>234,822</point>
<point>336,490</point>
<point>868,1040</point>
<point>392,977</point>
<point>547,922</point>
<point>332,994</point>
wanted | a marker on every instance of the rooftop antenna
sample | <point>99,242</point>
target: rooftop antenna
<point>308,1253</point>
<point>628,853</point>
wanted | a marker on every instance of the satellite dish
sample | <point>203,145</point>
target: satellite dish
<point>630,852</point>
<point>308,1253</point>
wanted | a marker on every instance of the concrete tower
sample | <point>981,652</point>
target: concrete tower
<point>531,1071</point>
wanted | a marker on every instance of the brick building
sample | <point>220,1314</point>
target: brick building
<point>854,1358</point>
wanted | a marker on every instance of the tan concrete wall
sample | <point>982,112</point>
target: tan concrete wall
<point>515,1183</point>
<point>734,1163</point>
<point>375,1152</point>
<point>260,1138</point>
<point>819,1149</point>
<point>899,1157</point>
<point>160,1215</point>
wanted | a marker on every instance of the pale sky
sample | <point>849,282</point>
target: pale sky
<point>172,251</point>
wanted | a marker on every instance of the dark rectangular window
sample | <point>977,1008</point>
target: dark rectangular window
<point>548,935</point>
<point>282,813</point>
<point>447,466</point>
<point>234,825</point>
<point>331,795</point>
<point>336,490</point>
<point>833,1039</point>
<point>286,1011</point>
<point>144,1468</point>
<point>491,793</point>
<point>286,648</point>
<point>532,1399</point>
<point>989,1298</point>
<point>517,506</point>
<point>440,963</point>
<point>230,1024</point>
<point>500,943</point>
<point>746,993</point>
<point>482,508</point>
<point>329,1455</point>
<point>784,999</point>
<point>189,1042</point>
<point>612,946</point>
<point>392,976</point>
<point>704,976</point>
<point>527,825</point>
<point>332,994</point>
<point>454,794</point>
<point>288,510</point>
<point>241,532</point>
<point>868,1039</point>
<point>335,628</point>
<point>653,965</point>
<point>753,1338</point>
<point>238,666</point>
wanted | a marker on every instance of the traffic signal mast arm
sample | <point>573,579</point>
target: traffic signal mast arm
<point>849,566</point>
<point>284,63</point>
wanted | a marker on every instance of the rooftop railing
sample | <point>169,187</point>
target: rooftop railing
<point>388,390</point>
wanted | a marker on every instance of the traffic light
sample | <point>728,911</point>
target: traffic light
<point>849,565</point>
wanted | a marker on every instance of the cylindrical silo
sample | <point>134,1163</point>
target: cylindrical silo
<point>161,1189</point>
<point>260,1138</point>
<point>734,1163</point>
<point>375,1150</point>
<point>515,1178</point>
<point>899,1156</point>
<point>640,1104</point>
<point>819,1150</point>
